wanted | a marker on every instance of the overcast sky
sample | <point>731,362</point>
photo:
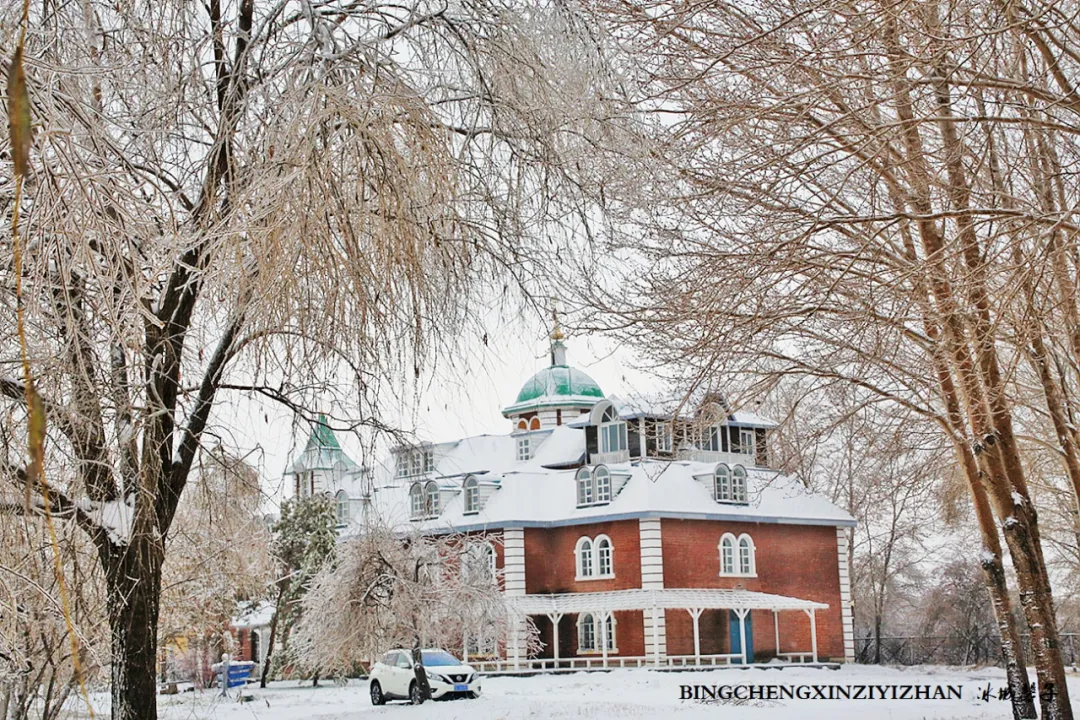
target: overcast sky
<point>461,399</point>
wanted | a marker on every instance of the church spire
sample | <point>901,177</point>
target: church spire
<point>558,347</point>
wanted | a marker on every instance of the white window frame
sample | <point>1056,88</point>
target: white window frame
<point>432,496</point>
<point>591,646</point>
<point>731,566</point>
<point>429,460</point>
<point>722,483</point>
<point>341,500</point>
<point>593,625</point>
<point>619,433</point>
<point>601,491</point>
<point>599,543</point>
<point>524,448</point>
<point>584,559</point>
<point>747,543</point>
<point>585,487</point>
<point>417,501</point>
<point>664,437</point>
<point>739,484</point>
<point>471,493</point>
<point>747,440</point>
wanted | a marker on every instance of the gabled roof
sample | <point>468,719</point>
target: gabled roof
<point>322,452</point>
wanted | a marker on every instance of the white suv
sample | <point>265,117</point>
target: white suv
<point>392,677</point>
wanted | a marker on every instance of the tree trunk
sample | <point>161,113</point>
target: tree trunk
<point>273,636</point>
<point>877,639</point>
<point>133,587</point>
<point>419,672</point>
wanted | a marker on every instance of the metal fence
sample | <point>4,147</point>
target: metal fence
<point>949,650</point>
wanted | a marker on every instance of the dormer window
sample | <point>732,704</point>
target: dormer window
<point>584,487</point>
<point>524,448</point>
<point>415,462</point>
<point>738,484</point>
<point>603,484</point>
<point>424,500</point>
<point>612,432</point>
<point>722,483</point>
<point>416,501</point>
<point>593,487</point>
<point>729,484</point>
<point>432,500</point>
<point>472,495</point>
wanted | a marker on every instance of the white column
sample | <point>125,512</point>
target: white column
<point>742,632</point>
<point>655,640</point>
<point>603,634</point>
<point>555,618</point>
<point>776,629</point>
<point>813,633</point>
<point>695,614</point>
<point>514,584</point>
<point>652,578</point>
<point>847,620</point>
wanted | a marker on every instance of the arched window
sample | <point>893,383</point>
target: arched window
<point>342,505</point>
<point>604,561</point>
<point>589,640</point>
<point>488,552</point>
<point>722,483</point>
<point>738,484</point>
<point>534,424</point>
<point>472,495</point>
<point>602,476</point>
<point>432,504</point>
<point>746,555</point>
<point>610,634</point>
<point>416,501</point>
<point>612,432</point>
<point>583,554</point>
<point>727,554</point>
<point>523,424</point>
<point>584,487</point>
<point>586,633</point>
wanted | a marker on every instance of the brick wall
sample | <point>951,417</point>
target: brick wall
<point>550,564</point>
<point>794,560</point>
<point>550,567</point>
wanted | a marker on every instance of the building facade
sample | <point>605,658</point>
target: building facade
<point>629,535</point>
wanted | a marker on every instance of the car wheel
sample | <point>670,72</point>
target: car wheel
<point>377,697</point>
<point>415,696</point>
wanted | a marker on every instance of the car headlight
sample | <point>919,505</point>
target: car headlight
<point>433,676</point>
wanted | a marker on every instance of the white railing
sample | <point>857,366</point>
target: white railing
<point>796,657</point>
<point>578,664</point>
<point>712,456</point>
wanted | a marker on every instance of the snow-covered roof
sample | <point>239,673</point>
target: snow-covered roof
<point>642,407</point>
<point>533,494</point>
<point>253,616</point>
<point>667,598</point>
<point>323,452</point>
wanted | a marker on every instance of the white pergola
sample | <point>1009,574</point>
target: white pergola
<point>694,601</point>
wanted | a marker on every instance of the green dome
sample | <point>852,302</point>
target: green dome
<point>557,385</point>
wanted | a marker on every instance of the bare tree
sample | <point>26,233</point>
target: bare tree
<point>387,590</point>
<point>870,194</point>
<point>284,199</point>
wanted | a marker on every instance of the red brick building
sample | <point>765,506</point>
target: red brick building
<point>629,536</point>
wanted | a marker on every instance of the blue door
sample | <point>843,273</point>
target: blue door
<point>736,638</point>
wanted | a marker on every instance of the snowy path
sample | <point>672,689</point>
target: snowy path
<point>624,694</point>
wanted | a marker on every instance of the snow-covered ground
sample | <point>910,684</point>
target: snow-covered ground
<point>624,694</point>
